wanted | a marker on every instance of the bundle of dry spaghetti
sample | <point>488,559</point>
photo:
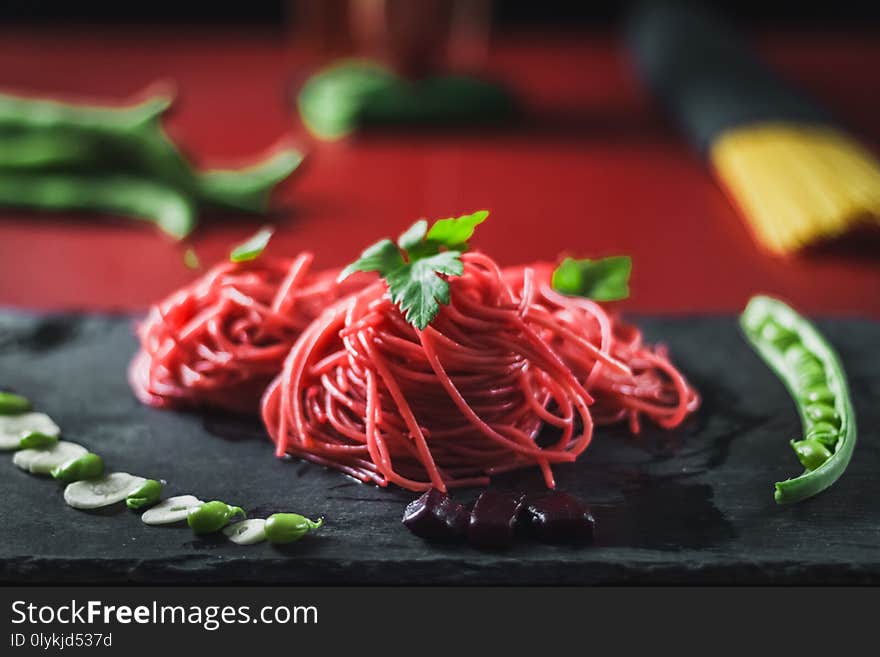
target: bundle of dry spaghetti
<point>219,341</point>
<point>466,397</point>
<point>796,175</point>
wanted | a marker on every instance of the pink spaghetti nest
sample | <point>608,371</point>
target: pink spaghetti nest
<point>219,341</point>
<point>365,392</point>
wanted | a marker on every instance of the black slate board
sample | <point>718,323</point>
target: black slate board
<point>690,506</point>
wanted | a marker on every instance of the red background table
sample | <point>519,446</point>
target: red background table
<point>598,172</point>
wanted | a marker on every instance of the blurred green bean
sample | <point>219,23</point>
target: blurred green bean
<point>23,113</point>
<point>48,148</point>
<point>127,196</point>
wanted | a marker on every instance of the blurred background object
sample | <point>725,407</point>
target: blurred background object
<point>414,38</point>
<point>116,158</point>
<point>590,166</point>
<point>795,174</point>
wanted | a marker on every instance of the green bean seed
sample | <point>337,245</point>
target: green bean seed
<point>37,440</point>
<point>820,412</point>
<point>145,496</point>
<point>810,374</point>
<point>818,393</point>
<point>796,354</point>
<point>87,466</point>
<point>781,337</point>
<point>827,436</point>
<point>212,516</point>
<point>811,453</point>
<point>12,404</point>
<point>289,527</point>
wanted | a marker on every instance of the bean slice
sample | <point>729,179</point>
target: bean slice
<point>43,461</point>
<point>174,509</point>
<point>104,491</point>
<point>15,427</point>
<point>247,532</point>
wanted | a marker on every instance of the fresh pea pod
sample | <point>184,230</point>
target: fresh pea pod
<point>146,496</point>
<point>289,527</point>
<point>212,516</point>
<point>792,347</point>
<point>12,404</point>
<point>138,198</point>
<point>87,466</point>
<point>37,440</point>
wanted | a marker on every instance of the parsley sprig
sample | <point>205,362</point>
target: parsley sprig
<point>414,267</point>
<point>605,279</point>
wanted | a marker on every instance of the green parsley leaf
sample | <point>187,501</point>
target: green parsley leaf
<point>417,288</point>
<point>251,248</point>
<point>413,268</point>
<point>606,279</point>
<point>453,233</point>
<point>412,236</point>
<point>383,257</point>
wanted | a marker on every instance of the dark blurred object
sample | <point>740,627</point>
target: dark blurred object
<point>493,519</point>
<point>794,173</point>
<point>557,517</point>
<point>414,38</point>
<point>436,517</point>
<point>504,13</point>
<point>706,74</point>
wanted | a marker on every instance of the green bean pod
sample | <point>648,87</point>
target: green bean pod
<point>12,404</point>
<point>53,136</point>
<point>27,113</point>
<point>127,196</point>
<point>87,466</point>
<point>811,371</point>
<point>248,189</point>
<point>352,93</point>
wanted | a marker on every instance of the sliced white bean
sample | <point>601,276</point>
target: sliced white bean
<point>104,491</point>
<point>247,532</point>
<point>14,427</point>
<point>43,461</point>
<point>172,510</point>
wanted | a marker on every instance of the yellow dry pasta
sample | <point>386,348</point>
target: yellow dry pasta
<point>797,185</point>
